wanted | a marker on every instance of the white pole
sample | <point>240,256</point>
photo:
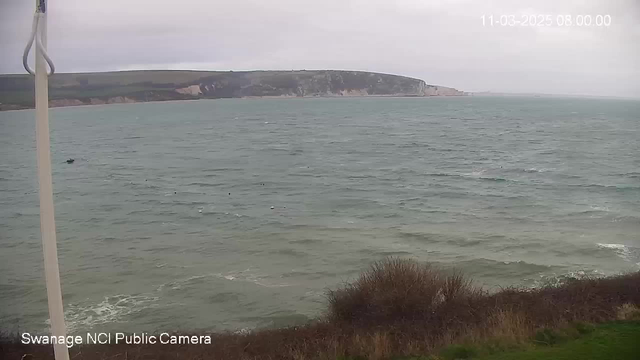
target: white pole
<point>47,219</point>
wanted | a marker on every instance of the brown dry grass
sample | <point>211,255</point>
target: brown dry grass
<point>398,308</point>
<point>628,312</point>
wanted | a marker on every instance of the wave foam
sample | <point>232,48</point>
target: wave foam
<point>536,170</point>
<point>111,309</point>
<point>555,280</point>
<point>623,251</point>
<point>245,275</point>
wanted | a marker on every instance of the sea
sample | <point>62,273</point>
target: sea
<point>240,214</point>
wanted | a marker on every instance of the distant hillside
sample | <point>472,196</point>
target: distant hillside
<point>16,91</point>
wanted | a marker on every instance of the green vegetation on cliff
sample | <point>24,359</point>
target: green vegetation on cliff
<point>16,91</point>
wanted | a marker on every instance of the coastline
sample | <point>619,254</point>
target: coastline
<point>398,309</point>
<point>77,89</point>
<point>393,96</point>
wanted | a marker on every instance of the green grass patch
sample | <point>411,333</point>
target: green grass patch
<point>455,352</point>
<point>619,340</point>
<point>615,340</point>
<point>62,93</point>
<point>17,97</point>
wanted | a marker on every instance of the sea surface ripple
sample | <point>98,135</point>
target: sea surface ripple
<point>234,214</point>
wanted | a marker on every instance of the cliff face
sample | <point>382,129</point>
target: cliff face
<point>316,83</point>
<point>434,90</point>
<point>16,91</point>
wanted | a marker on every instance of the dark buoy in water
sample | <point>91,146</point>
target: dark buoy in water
<point>70,161</point>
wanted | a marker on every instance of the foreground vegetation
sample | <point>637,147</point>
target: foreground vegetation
<point>615,340</point>
<point>400,309</point>
<point>609,341</point>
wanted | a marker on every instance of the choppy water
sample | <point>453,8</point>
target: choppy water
<point>165,220</point>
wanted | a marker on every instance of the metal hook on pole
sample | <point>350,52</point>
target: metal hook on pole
<point>36,35</point>
<point>43,151</point>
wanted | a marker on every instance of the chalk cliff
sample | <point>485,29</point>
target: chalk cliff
<point>16,91</point>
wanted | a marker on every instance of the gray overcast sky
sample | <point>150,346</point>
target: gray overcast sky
<point>441,41</point>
